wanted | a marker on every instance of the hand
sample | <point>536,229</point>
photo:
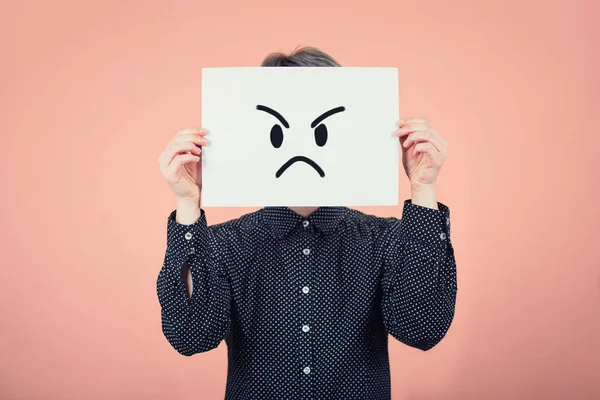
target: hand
<point>181,166</point>
<point>423,150</point>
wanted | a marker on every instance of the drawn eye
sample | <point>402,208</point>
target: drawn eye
<point>321,135</point>
<point>276,136</point>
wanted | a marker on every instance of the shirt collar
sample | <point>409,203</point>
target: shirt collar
<point>282,220</point>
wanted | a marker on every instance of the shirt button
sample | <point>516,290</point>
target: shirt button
<point>188,235</point>
<point>305,289</point>
<point>192,250</point>
<point>306,252</point>
<point>442,236</point>
<point>305,223</point>
<point>307,370</point>
<point>305,328</point>
<point>447,220</point>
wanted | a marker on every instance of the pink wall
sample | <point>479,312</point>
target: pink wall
<point>91,92</point>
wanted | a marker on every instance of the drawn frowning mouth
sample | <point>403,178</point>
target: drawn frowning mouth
<point>297,159</point>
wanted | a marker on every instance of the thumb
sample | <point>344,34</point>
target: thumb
<point>402,140</point>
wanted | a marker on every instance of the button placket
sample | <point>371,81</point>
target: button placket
<point>305,315</point>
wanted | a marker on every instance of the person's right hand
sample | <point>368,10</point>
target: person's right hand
<point>181,166</point>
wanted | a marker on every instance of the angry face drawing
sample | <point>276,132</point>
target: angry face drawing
<point>320,134</point>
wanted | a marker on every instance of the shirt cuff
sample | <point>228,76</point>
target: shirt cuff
<point>424,224</point>
<point>184,241</point>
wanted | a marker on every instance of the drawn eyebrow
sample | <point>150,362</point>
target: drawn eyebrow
<point>273,113</point>
<point>327,114</point>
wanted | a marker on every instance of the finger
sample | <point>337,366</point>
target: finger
<point>409,120</point>
<point>425,148</point>
<point>162,159</point>
<point>412,127</point>
<point>186,131</point>
<point>181,159</point>
<point>419,137</point>
<point>176,148</point>
<point>436,134</point>
<point>191,137</point>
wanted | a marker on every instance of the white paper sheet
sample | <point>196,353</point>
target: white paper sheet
<point>355,163</point>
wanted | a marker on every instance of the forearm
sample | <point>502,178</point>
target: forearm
<point>419,275</point>
<point>198,321</point>
<point>422,297</point>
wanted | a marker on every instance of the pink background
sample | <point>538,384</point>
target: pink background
<point>91,92</point>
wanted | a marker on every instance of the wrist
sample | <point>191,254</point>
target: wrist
<point>187,212</point>
<point>423,195</point>
<point>188,201</point>
<point>422,187</point>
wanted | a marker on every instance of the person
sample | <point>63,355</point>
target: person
<point>305,297</point>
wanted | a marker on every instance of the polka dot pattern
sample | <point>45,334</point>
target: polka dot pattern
<point>305,305</point>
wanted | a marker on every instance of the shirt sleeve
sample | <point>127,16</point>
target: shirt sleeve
<point>200,323</point>
<point>419,283</point>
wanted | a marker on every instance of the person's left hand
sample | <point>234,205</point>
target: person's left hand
<point>423,150</point>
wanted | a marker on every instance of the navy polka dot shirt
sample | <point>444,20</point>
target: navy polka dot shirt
<point>305,305</point>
